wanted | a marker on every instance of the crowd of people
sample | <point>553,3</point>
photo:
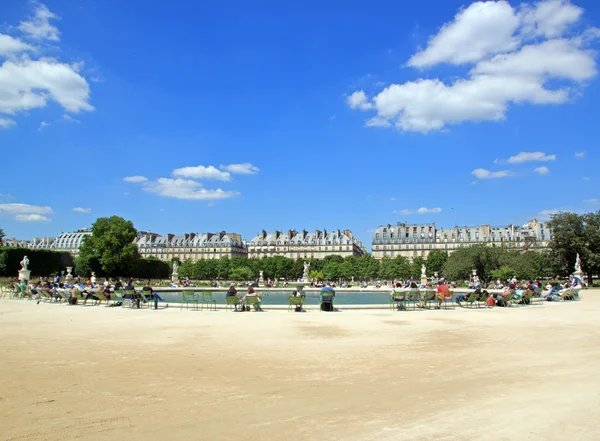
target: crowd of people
<point>75,290</point>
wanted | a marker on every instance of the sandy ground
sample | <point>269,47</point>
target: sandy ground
<point>98,373</point>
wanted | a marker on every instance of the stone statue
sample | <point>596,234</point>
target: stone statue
<point>175,268</point>
<point>25,262</point>
<point>423,271</point>
<point>578,264</point>
<point>306,274</point>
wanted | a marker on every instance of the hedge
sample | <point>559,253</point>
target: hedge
<point>42,263</point>
<point>151,269</point>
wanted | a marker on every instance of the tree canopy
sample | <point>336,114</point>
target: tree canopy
<point>110,248</point>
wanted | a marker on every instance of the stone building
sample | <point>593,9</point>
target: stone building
<point>192,246</point>
<point>418,240</point>
<point>305,245</point>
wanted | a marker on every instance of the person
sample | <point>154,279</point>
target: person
<point>398,295</point>
<point>135,298</point>
<point>150,294</point>
<point>233,292</point>
<point>441,291</point>
<point>251,293</point>
<point>327,295</point>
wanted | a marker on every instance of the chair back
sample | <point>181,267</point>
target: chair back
<point>295,300</point>
<point>232,300</point>
<point>207,296</point>
<point>326,298</point>
<point>448,295</point>
<point>252,300</point>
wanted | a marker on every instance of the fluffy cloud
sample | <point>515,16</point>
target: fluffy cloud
<point>82,210</point>
<point>508,67</point>
<point>522,157</point>
<point>241,169</point>
<point>481,29</point>
<point>135,179</point>
<point>185,189</point>
<point>38,27</point>
<point>202,172</point>
<point>580,155</point>
<point>546,215</point>
<point>358,100</point>
<point>421,210</point>
<point>482,173</point>
<point>15,208</point>
<point>31,218</point>
<point>6,123</point>
<point>541,170</point>
<point>424,210</point>
<point>28,82</point>
<point>549,18</point>
<point>10,45</point>
<point>591,201</point>
<point>43,124</point>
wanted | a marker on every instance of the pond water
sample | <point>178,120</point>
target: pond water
<point>280,298</point>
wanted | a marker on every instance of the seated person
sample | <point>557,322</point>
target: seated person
<point>233,292</point>
<point>327,295</point>
<point>251,293</point>
<point>441,292</point>
<point>150,293</point>
<point>398,295</point>
<point>135,298</point>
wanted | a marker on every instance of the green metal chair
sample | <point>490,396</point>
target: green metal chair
<point>413,297</point>
<point>254,301</point>
<point>294,302</point>
<point>326,298</point>
<point>128,297</point>
<point>207,299</point>
<point>231,302</point>
<point>189,297</point>
<point>429,296</point>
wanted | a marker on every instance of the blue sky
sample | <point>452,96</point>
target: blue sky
<point>239,117</point>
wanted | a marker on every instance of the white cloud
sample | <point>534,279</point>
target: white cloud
<point>82,210</point>
<point>43,124</point>
<point>31,81</point>
<point>404,212</point>
<point>27,84</point>
<point>586,178</point>
<point>15,208</point>
<point>424,210</point>
<point>508,68</point>
<point>549,18</point>
<point>201,172</point>
<point>358,100</point>
<point>482,173</point>
<point>31,218</point>
<point>38,27</point>
<point>481,29</point>
<point>240,169</point>
<point>70,119</point>
<point>541,170</point>
<point>591,201</point>
<point>522,157</point>
<point>392,199</point>
<point>135,179</point>
<point>580,155</point>
<point>6,123</point>
<point>545,215</point>
<point>185,189</point>
<point>10,46</point>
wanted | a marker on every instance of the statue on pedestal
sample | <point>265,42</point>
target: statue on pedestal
<point>306,273</point>
<point>578,264</point>
<point>423,271</point>
<point>25,262</point>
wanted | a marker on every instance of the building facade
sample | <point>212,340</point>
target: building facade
<point>70,242</point>
<point>418,240</point>
<point>194,246</point>
<point>305,245</point>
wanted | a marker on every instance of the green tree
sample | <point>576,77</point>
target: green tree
<point>317,274</point>
<point>111,246</point>
<point>368,267</point>
<point>415,267</point>
<point>572,234</point>
<point>241,273</point>
<point>435,262</point>
<point>2,236</point>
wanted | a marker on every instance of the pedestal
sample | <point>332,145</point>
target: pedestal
<point>175,278</point>
<point>24,274</point>
<point>423,280</point>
